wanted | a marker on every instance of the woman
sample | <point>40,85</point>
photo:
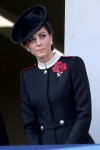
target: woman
<point>55,93</point>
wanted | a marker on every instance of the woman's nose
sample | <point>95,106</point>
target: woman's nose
<point>38,42</point>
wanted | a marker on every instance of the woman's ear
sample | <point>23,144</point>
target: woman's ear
<point>51,40</point>
<point>27,48</point>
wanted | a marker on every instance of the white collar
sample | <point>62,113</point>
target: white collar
<point>50,63</point>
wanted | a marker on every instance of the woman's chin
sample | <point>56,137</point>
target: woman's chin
<point>41,55</point>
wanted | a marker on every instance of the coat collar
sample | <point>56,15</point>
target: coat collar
<point>50,63</point>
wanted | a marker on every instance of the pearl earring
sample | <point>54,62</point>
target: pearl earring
<point>51,42</point>
<point>28,49</point>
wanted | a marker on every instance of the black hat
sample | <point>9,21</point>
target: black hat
<point>28,23</point>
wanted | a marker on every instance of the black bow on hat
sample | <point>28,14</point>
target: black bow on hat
<point>28,23</point>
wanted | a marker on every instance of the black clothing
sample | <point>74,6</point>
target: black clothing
<point>57,107</point>
<point>3,133</point>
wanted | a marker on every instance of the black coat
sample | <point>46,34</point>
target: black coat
<point>3,133</point>
<point>56,110</point>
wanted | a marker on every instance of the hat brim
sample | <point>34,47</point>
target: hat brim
<point>17,36</point>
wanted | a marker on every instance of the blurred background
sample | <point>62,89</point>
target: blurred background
<point>13,58</point>
<point>82,38</point>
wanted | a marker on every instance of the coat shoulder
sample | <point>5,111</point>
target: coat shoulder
<point>72,58</point>
<point>29,68</point>
<point>73,61</point>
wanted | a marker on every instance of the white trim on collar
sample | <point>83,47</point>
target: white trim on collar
<point>50,63</point>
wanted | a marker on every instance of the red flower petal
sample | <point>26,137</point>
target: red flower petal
<point>59,67</point>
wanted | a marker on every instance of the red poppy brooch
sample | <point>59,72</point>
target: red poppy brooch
<point>59,68</point>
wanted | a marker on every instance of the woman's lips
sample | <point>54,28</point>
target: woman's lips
<point>39,50</point>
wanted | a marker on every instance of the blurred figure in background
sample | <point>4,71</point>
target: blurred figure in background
<point>3,133</point>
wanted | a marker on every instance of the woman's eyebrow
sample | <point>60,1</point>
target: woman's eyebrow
<point>41,33</point>
<point>38,34</point>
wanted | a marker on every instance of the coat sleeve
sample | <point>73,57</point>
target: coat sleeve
<point>31,125</point>
<point>82,97</point>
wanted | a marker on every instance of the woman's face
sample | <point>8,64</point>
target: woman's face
<point>40,44</point>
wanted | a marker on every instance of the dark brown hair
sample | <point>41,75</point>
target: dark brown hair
<point>49,29</point>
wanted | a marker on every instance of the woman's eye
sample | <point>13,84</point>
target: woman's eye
<point>42,36</point>
<point>31,40</point>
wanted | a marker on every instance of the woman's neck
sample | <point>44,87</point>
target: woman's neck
<point>49,63</point>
